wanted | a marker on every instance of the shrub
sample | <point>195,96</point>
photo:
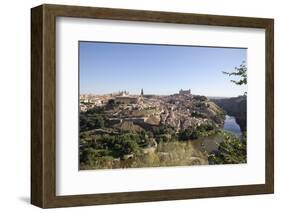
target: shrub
<point>189,133</point>
<point>200,97</point>
<point>230,151</point>
<point>198,114</point>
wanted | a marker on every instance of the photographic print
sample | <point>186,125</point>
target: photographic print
<point>158,99</point>
<point>157,105</point>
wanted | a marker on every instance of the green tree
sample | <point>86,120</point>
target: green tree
<point>189,133</point>
<point>200,98</point>
<point>99,122</point>
<point>241,72</point>
<point>126,144</point>
<point>230,151</point>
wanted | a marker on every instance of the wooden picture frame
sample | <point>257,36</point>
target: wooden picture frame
<point>43,105</point>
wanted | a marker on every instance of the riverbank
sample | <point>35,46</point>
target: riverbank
<point>236,107</point>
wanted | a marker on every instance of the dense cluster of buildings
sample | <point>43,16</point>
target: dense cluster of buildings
<point>122,97</point>
<point>88,101</point>
<point>172,110</point>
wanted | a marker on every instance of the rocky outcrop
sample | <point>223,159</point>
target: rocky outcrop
<point>236,107</point>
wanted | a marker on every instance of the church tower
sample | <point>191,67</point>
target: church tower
<point>141,92</point>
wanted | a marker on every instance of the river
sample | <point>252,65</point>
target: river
<point>211,143</point>
<point>230,125</point>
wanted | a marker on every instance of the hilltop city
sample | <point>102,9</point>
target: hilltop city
<point>178,110</point>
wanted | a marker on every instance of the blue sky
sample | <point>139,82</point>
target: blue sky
<point>158,69</point>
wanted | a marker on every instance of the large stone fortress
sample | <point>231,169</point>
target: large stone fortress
<point>126,99</point>
<point>185,92</point>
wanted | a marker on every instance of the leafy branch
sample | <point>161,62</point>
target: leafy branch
<point>239,71</point>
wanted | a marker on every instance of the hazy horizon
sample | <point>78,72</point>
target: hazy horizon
<point>107,68</point>
<point>115,92</point>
